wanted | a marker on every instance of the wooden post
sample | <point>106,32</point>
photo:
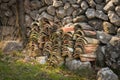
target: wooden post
<point>21,20</point>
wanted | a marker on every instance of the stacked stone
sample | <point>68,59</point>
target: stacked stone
<point>98,14</point>
<point>8,19</point>
<point>99,20</point>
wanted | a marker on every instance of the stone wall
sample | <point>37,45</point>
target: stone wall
<point>8,20</point>
<point>98,20</point>
<point>99,14</point>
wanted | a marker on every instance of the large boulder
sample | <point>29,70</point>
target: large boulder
<point>10,46</point>
<point>106,74</point>
<point>112,54</point>
<point>74,64</point>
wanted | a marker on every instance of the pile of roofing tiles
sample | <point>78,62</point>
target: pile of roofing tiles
<point>69,41</point>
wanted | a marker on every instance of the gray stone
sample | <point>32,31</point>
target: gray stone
<point>51,10</point>
<point>47,16</point>
<point>90,13</point>
<point>8,13</point>
<point>77,12</point>
<point>100,14</point>
<point>67,5</point>
<point>109,6</point>
<point>100,56</point>
<point>112,55</point>
<point>84,26</point>
<point>41,59</point>
<point>75,6</point>
<point>106,74</point>
<point>56,19</point>
<point>57,3</point>
<point>67,20</point>
<point>100,6</point>
<point>96,24</point>
<point>73,64</point>
<point>99,1</point>
<point>10,46</point>
<point>33,14</point>
<point>7,30</point>
<point>28,20</point>
<point>48,2</point>
<point>109,28</point>
<point>35,4</point>
<point>80,18</point>
<point>103,37</point>
<point>27,6</point>
<point>114,18</point>
<point>84,5</point>
<point>113,42</point>
<point>4,6</point>
<point>42,9</point>
<point>11,21</point>
<point>91,3</point>
<point>117,9</point>
<point>60,12</point>
<point>69,11</point>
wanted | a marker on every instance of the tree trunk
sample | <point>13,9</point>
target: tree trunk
<point>21,20</point>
